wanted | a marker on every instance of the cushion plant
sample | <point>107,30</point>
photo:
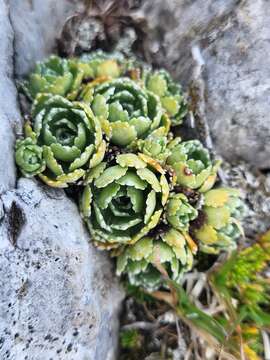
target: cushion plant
<point>103,123</point>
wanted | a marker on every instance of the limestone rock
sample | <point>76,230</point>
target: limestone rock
<point>59,298</point>
<point>255,187</point>
<point>9,112</point>
<point>37,24</point>
<point>231,37</point>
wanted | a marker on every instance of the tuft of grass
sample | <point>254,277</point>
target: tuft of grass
<point>130,339</point>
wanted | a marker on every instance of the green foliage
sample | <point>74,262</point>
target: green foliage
<point>101,64</point>
<point>55,76</point>
<point>127,111</point>
<point>68,136</point>
<point>192,164</point>
<point>243,286</point>
<point>29,157</point>
<point>179,212</point>
<point>197,318</point>
<point>130,339</point>
<point>64,77</point>
<point>145,261</point>
<point>104,122</point>
<point>138,293</point>
<point>155,145</point>
<point>222,211</point>
<point>126,200</point>
<point>170,94</point>
<point>253,341</point>
<point>242,278</point>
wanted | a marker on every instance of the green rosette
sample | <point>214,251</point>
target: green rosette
<point>127,111</point>
<point>100,64</point>
<point>170,94</point>
<point>54,76</point>
<point>148,260</point>
<point>222,210</point>
<point>192,164</point>
<point>121,203</point>
<point>70,136</point>
<point>29,157</point>
<point>155,145</point>
<point>179,212</point>
<point>65,76</point>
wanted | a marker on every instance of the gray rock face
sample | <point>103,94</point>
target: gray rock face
<point>232,39</point>
<point>59,298</point>
<point>9,112</point>
<point>238,89</point>
<point>255,188</point>
<point>37,24</point>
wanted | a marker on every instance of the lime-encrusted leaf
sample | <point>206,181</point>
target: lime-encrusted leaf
<point>107,194</point>
<point>51,162</point>
<point>136,197</point>
<point>94,173</point>
<point>150,205</point>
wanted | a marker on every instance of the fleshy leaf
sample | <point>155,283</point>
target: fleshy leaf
<point>150,206</point>
<point>131,179</point>
<point>107,194</point>
<point>85,201</point>
<point>110,175</point>
<point>150,177</point>
<point>130,160</point>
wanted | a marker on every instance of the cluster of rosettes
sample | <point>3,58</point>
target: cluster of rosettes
<point>104,123</point>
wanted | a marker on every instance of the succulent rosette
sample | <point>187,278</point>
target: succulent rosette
<point>179,212</point>
<point>64,76</point>
<point>29,157</point>
<point>143,193</point>
<point>101,64</point>
<point>127,111</point>
<point>55,76</point>
<point>146,261</point>
<point>70,136</point>
<point>155,145</point>
<point>121,203</point>
<point>192,164</point>
<point>219,227</point>
<point>170,94</point>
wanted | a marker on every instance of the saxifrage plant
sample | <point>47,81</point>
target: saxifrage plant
<point>104,123</point>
